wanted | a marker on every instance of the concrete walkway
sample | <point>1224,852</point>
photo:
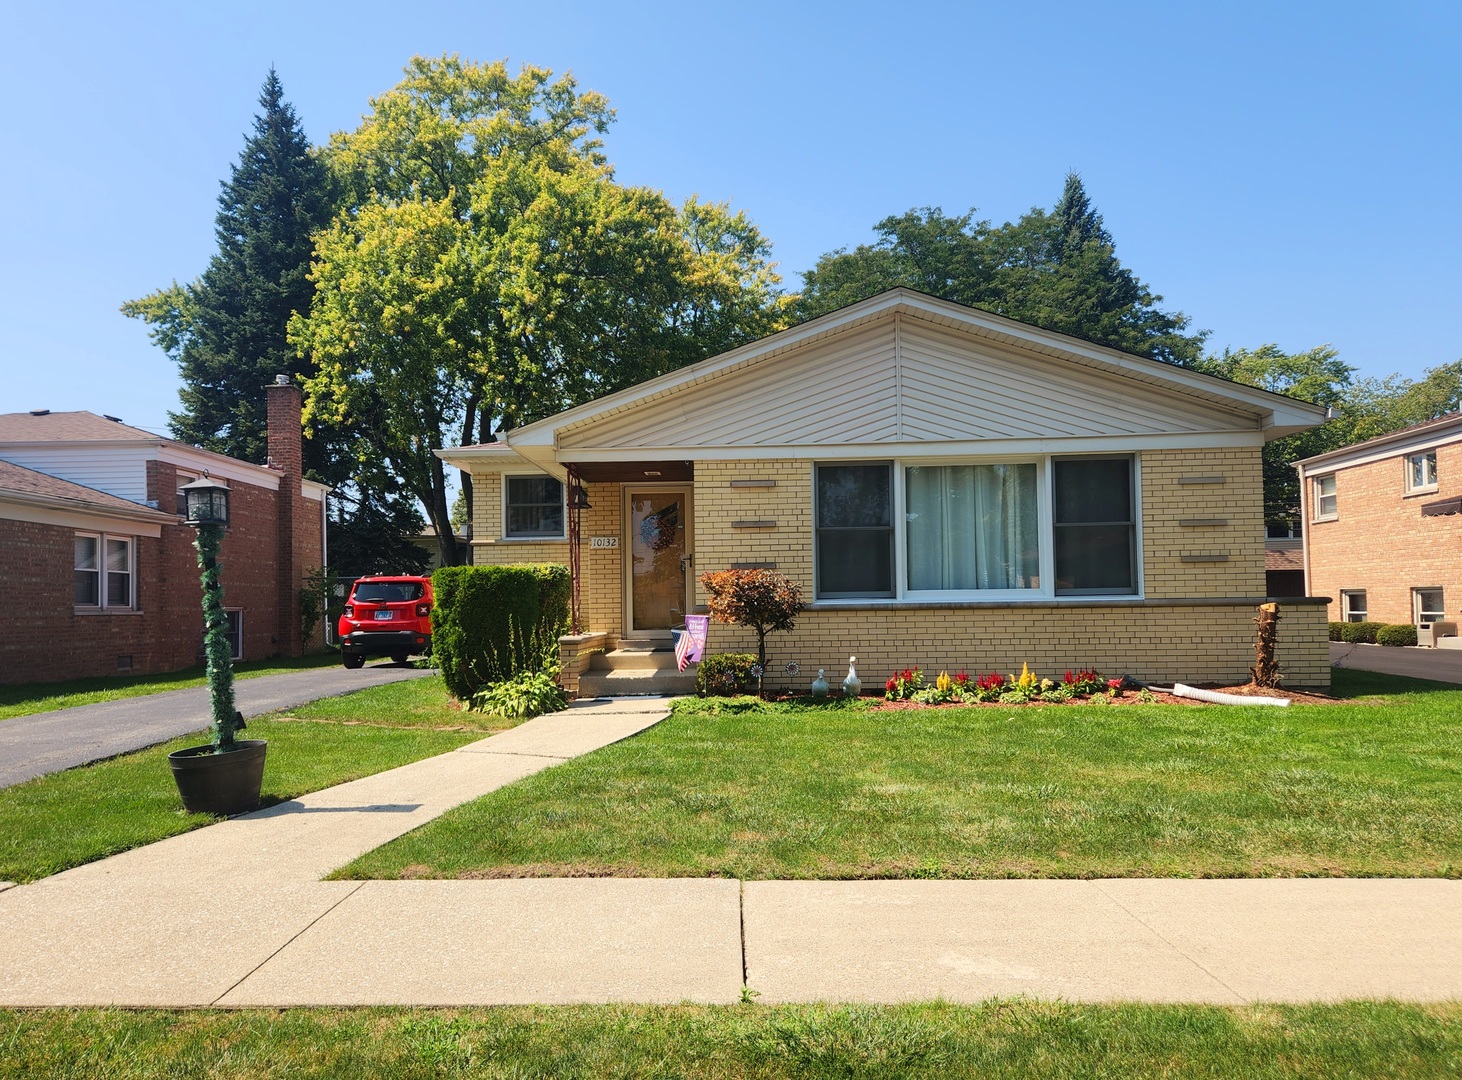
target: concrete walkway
<point>41,743</point>
<point>1440,665</point>
<point>236,914</point>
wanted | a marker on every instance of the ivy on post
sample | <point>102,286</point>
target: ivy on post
<point>207,506</point>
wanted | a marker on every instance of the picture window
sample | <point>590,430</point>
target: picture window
<point>533,508</point>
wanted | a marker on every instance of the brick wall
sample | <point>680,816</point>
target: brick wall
<point>1191,643</point>
<point>1203,523</point>
<point>1380,542</point>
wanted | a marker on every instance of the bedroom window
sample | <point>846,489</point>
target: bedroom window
<point>103,571</point>
<point>855,541</point>
<point>1352,605</point>
<point>1095,526</point>
<point>533,508</point>
<point>1327,506</point>
<point>1421,472</point>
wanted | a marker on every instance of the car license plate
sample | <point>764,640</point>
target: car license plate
<point>385,614</point>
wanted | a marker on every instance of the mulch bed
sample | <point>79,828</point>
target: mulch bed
<point>1130,697</point>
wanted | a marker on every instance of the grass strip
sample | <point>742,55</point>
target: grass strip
<point>68,818</point>
<point>24,699</point>
<point>775,791</point>
<point>996,1039</point>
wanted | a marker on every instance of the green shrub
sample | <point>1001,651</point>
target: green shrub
<point>1337,631</point>
<point>1396,634</point>
<point>492,622</point>
<point>725,675</point>
<point>525,695</point>
<point>1360,632</point>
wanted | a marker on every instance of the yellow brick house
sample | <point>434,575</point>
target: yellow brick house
<point>949,488</point>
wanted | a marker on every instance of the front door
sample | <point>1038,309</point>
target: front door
<point>657,572</point>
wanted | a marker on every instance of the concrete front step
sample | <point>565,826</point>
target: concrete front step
<point>623,659</point>
<point>623,682</point>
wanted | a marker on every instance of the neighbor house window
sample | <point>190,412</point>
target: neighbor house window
<point>1421,471</point>
<point>1427,606</point>
<point>1352,605</point>
<point>855,538</point>
<point>1095,526</point>
<point>1326,505</point>
<point>235,631</point>
<point>533,507</point>
<point>103,571</point>
<point>972,527</point>
<point>1283,530</point>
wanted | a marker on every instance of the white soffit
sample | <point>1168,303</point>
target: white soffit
<point>899,381</point>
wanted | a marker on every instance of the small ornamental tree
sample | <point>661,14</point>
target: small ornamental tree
<point>761,599</point>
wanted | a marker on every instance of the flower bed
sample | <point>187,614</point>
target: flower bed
<point>907,689</point>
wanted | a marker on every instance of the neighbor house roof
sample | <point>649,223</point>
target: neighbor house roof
<point>22,487</point>
<point>1429,433</point>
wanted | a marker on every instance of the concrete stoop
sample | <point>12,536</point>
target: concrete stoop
<point>626,672</point>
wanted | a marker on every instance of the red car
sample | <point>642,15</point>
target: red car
<point>386,616</point>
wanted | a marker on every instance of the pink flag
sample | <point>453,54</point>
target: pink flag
<point>690,643</point>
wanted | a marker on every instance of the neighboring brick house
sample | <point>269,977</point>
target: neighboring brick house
<point>1383,525</point>
<point>949,488</point>
<point>103,572</point>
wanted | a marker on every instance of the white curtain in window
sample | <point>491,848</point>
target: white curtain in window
<point>972,527</point>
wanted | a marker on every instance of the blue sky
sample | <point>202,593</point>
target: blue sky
<point>1284,172</point>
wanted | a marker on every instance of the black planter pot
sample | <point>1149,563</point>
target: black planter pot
<point>219,783</point>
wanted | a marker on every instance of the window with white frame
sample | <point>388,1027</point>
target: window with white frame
<point>1427,606</point>
<point>1283,530</point>
<point>1095,526</point>
<point>103,575</point>
<point>1352,605</point>
<point>976,530</point>
<point>533,507</point>
<point>1421,472</point>
<point>855,541</point>
<point>1327,506</point>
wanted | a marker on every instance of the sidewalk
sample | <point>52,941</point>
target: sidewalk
<point>235,914</point>
<point>41,743</point>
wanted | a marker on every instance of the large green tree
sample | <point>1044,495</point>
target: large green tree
<point>487,270</point>
<point>1055,269</point>
<point>228,330</point>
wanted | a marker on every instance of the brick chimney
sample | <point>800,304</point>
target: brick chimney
<point>286,456</point>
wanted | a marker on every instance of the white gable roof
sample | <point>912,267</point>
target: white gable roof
<point>907,373</point>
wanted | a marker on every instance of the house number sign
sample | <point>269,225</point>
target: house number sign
<point>604,541</point>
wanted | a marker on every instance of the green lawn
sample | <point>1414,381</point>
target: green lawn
<point>76,816</point>
<point>995,1039</point>
<point>1372,786</point>
<point>27,698</point>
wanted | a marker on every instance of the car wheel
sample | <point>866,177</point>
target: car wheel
<point>398,657</point>
<point>353,660</point>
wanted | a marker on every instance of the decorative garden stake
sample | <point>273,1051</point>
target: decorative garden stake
<point>852,685</point>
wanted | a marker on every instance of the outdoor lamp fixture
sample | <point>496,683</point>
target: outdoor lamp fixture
<point>206,502</point>
<point>578,500</point>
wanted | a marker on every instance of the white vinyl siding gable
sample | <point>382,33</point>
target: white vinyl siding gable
<point>117,470</point>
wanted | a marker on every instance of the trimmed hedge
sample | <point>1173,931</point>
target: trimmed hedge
<point>492,622</point>
<point>725,675</point>
<point>1396,634</point>
<point>1337,631</point>
<point>1360,632</point>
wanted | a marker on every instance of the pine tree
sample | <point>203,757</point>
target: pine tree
<point>227,330</point>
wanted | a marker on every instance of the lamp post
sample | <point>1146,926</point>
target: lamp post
<point>206,502</point>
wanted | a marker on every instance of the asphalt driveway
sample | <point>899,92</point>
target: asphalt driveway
<point>47,742</point>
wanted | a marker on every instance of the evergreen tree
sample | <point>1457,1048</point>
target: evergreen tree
<point>227,330</point>
<point>1057,270</point>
